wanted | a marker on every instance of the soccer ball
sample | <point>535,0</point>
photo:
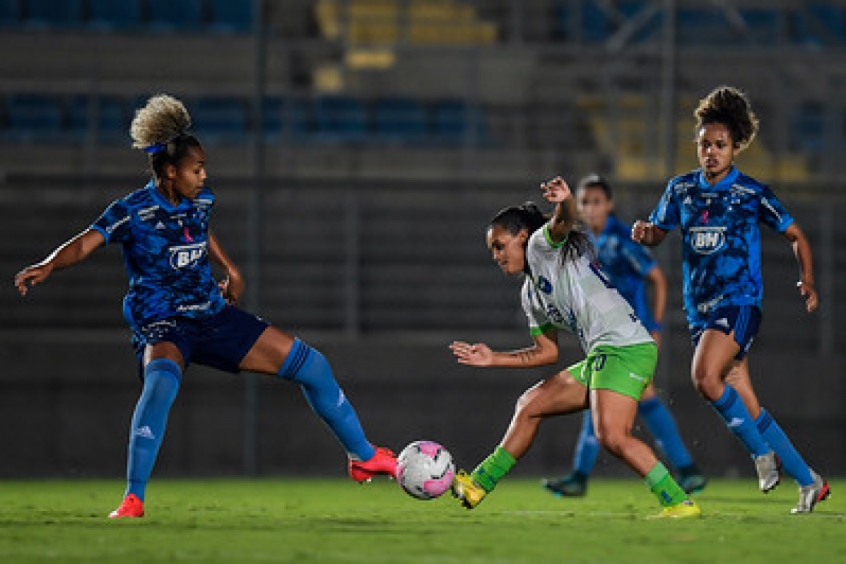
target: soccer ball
<point>425,469</point>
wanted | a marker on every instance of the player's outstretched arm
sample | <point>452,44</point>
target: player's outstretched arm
<point>67,254</point>
<point>543,352</point>
<point>232,286</point>
<point>647,233</point>
<point>805,258</point>
<point>556,191</point>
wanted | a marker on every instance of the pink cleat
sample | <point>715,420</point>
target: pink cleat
<point>384,462</point>
<point>131,506</point>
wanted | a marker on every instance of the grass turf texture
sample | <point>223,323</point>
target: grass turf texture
<point>317,520</point>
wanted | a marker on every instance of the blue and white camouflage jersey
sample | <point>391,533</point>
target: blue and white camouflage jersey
<point>721,239</point>
<point>626,263</point>
<point>165,250</point>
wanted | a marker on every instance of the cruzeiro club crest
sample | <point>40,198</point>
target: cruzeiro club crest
<point>707,240</point>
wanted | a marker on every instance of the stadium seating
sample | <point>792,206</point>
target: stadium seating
<point>399,120</point>
<point>10,13</point>
<point>110,114</point>
<point>340,119</point>
<point>36,117</point>
<point>175,15</point>
<point>231,16</point>
<point>286,120</point>
<point>50,13</point>
<point>115,15</point>
<point>220,119</point>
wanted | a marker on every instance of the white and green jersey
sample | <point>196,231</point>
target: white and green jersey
<point>577,296</point>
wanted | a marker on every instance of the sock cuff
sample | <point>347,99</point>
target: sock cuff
<point>165,365</point>
<point>504,455</point>
<point>763,421</point>
<point>295,360</point>
<point>646,406</point>
<point>658,473</point>
<point>727,400</point>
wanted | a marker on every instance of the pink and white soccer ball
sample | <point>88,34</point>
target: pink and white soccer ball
<point>425,469</point>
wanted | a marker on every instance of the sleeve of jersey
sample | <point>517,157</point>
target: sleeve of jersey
<point>113,224</point>
<point>772,212</point>
<point>538,322</point>
<point>666,213</point>
<point>637,256</point>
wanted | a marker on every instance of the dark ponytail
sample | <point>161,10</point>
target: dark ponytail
<point>528,216</point>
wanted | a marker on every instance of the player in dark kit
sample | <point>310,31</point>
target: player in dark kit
<point>179,313</point>
<point>718,210</point>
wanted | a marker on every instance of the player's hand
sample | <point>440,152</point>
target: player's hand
<point>32,275</point>
<point>807,290</point>
<point>556,190</point>
<point>478,354</point>
<point>232,287</point>
<point>640,230</point>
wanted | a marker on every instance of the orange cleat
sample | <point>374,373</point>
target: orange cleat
<point>384,462</point>
<point>131,506</point>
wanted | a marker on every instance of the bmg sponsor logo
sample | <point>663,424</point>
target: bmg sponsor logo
<point>707,240</point>
<point>187,256</point>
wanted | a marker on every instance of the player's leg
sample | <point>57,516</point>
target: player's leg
<point>662,425</point>
<point>556,395</point>
<point>574,484</point>
<point>812,487</point>
<point>712,359</point>
<point>280,354</point>
<point>163,365</point>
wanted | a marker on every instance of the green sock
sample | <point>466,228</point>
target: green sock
<point>665,488</point>
<point>493,468</point>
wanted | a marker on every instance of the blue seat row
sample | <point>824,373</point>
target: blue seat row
<point>47,118</point>
<point>818,23</point>
<point>129,15</point>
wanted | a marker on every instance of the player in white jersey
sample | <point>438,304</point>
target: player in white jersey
<point>566,289</point>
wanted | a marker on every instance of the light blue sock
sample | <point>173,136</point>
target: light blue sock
<point>663,427</point>
<point>161,383</point>
<point>587,447</point>
<point>791,460</point>
<point>309,368</point>
<point>733,411</point>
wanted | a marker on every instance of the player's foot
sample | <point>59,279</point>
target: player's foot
<point>683,510</point>
<point>691,479</point>
<point>573,484</point>
<point>466,490</point>
<point>384,462</point>
<point>812,494</point>
<point>767,468</point>
<point>131,506</point>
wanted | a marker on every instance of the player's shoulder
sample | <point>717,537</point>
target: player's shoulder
<point>683,183</point>
<point>749,184</point>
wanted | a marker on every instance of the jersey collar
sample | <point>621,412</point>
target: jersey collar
<point>723,184</point>
<point>162,201</point>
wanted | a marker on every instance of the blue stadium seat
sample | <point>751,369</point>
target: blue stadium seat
<point>339,119</point>
<point>175,15</point>
<point>235,16</point>
<point>36,117</point>
<point>819,24</point>
<point>220,119</point>
<point>114,14</point>
<point>454,122</point>
<point>112,118</point>
<point>10,13</point>
<point>808,128</point>
<point>765,25</point>
<point>53,13</point>
<point>399,120</point>
<point>285,119</point>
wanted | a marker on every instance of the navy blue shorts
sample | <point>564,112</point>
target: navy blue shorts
<point>743,320</point>
<point>221,341</point>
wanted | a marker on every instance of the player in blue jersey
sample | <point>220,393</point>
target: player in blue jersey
<point>718,210</point>
<point>179,313</point>
<point>628,266</point>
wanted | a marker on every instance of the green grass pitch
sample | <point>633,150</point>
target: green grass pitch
<point>334,520</point>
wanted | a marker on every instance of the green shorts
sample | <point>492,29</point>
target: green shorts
<point>625,370</point>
